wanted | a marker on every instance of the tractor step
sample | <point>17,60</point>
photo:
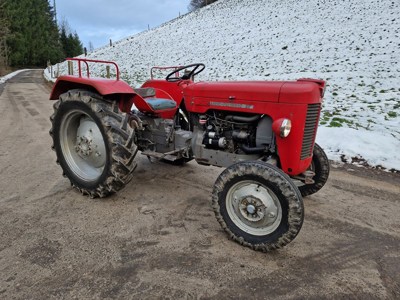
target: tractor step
<point>158,155</point>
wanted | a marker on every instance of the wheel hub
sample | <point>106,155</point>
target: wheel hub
<point>89,143</point>
<point>251,209</point>
<point>83,146</point>
<point>254,208</point>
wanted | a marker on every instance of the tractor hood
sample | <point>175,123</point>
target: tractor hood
<point>246,96</point>
<point>244,90</point>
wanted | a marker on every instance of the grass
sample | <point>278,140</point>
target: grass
<point>338,122</point>
<point>335,124</point>
<point>392,114</point>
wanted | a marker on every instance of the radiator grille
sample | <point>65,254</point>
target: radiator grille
<point>309,130</point>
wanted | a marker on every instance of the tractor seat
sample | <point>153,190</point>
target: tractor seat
<point>160,104</point>
<point>147,101</point>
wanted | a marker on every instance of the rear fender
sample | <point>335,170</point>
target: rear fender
<point>103,87</point>
<point>115,89</point>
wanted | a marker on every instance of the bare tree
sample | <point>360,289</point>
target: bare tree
<point>91,48</point>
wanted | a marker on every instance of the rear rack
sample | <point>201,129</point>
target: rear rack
<point>164,68</point>
<point>86,61</point>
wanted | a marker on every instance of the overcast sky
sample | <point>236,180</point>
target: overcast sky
<point>98,21</point>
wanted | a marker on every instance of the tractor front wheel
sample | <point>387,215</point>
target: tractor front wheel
<point>258,205</point>
<point>94,143</point>
<point>320,166</point>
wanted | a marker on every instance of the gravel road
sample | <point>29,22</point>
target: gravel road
<point>158,238</point>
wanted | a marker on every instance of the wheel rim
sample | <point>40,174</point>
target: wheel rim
<point>82,145</point>
<point>254,208</point>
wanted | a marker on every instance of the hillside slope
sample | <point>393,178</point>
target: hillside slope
<point>354,45</point>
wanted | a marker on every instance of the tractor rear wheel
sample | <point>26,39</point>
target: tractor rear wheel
<point>94,144</point>
<point>320,166</point>
<point>258,205</point>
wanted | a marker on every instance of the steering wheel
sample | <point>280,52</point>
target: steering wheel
<point>197,68</point>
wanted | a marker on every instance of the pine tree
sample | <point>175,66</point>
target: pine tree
<point>34,35</point>
<point>77,45</point>
<point>29,34</point>
<point>4,34</point>
<point>70,42</point>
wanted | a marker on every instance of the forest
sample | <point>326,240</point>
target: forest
<point>31,37</point>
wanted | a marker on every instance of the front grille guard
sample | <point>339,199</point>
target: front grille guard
<point>310,130</point>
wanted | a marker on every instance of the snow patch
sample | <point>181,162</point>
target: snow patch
<point>11,75</point>
<point>376,148</point>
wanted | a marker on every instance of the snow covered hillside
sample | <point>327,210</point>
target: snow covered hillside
<point>354,45</point>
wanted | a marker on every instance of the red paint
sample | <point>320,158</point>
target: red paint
<point>102,86</point>
<point>280,99</point>
<point>276,99</point>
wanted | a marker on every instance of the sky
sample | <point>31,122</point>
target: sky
<point>98,21</point>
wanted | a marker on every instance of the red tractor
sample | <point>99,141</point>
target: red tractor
<point>262,132</point>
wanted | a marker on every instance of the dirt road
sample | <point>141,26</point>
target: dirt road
<point>158,238</point>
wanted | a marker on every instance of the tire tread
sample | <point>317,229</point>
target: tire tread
<point>322,172</point>
<point>289,189</point>
<point>119,133</point>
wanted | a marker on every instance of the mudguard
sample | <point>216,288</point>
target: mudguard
<point>101,86</point>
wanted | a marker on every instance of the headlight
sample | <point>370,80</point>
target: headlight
<point>286,126</point>
<point>282,127</point>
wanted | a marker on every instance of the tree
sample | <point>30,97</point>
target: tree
<point>196,4</point>
<point>70,42</point>
<point>34,37</point>
<point>77,47</point>
<point>30,36</point>
<point>91,48</point>
<point>4,34</point>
